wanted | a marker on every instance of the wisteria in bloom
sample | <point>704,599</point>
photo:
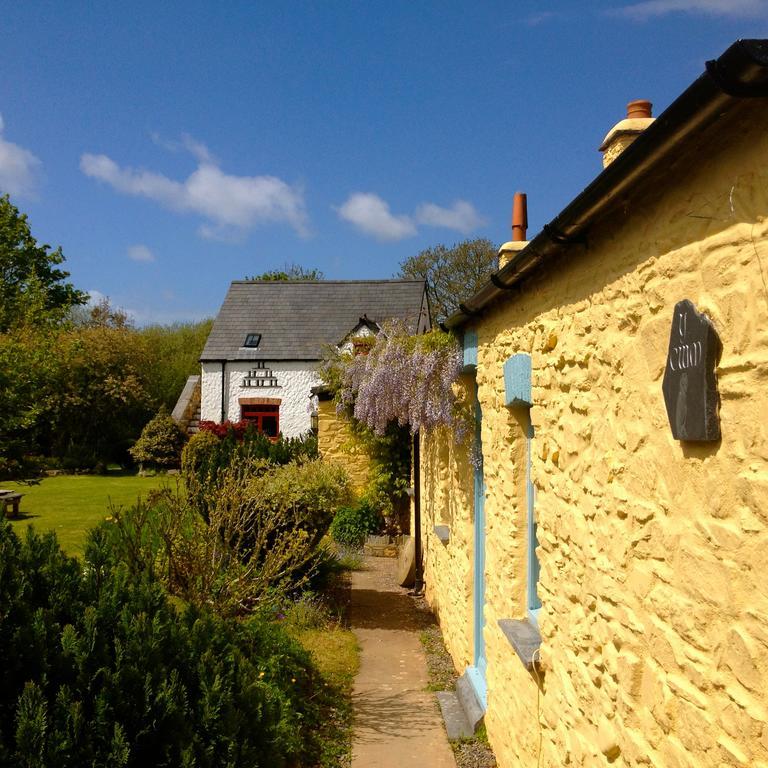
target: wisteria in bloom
<point>404,379</point>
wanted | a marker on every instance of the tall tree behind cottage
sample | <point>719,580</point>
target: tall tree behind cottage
<point>452,274</point>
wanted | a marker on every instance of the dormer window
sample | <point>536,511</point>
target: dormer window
<point>252,340</point>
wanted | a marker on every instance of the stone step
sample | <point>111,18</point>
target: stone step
<point>193,425</point>
<point>456,724</point>
<point>473,709</point>
<point>461,710</point>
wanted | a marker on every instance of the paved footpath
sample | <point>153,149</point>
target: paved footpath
<point>397,721</point>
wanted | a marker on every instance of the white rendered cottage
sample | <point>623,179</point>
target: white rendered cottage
<point>260,361</point>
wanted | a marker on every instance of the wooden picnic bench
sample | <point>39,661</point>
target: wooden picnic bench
<point>10,501</point>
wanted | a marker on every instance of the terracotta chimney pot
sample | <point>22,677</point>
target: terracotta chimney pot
<point>519,216</point>
<point>639,108</point>
<point>639,117</point>
<point>519,229</point>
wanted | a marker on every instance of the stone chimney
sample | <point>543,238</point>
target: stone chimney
<point>626,131</point>
<point>519,228</point>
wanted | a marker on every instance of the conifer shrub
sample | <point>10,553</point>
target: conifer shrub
<point>160,442</point>
<point>100,668</point>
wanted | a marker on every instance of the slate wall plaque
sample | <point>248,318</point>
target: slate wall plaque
<point>690,383</point>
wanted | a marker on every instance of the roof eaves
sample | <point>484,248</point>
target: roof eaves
<point>740,72</point>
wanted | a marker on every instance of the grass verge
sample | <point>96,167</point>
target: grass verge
<point>334,650</point>
<point>71,504</point>
<point>318,622</point>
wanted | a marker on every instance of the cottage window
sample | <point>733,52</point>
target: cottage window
<point>532,594</point>
<point>523,634</point>
<point>252,340</point>
<point>266,418</point>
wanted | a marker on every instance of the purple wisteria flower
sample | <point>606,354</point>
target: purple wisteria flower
<point>404,379</point>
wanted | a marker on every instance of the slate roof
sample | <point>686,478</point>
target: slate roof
<point>297,319</point>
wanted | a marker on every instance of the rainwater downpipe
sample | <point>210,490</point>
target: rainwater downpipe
<point>223,368</point>
<point>418,579</point>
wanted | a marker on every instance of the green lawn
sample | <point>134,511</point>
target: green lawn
<point>71,504</point>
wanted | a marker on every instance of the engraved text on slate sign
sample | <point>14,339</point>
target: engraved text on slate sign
<point>690,383</point>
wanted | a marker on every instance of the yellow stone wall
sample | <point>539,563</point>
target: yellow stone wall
<point>446,499</point>
<point>653,552</point>
<point>336,442</point>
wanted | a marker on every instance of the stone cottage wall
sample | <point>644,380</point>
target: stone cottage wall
<point>336,442</point>
<point>653,577</point>
<point>448,500</point>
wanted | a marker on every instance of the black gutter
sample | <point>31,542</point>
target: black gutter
<point>740,72</point>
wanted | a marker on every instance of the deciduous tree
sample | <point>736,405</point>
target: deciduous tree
<point>452,274</point>
<point>290,272</point>
<point>32,287</point>
<point>173,355</point>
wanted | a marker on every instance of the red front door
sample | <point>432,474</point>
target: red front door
<point>266,418</point>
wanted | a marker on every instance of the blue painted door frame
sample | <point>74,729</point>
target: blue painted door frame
<point>477,672</point>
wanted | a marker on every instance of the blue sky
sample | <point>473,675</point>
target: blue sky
<point>172,147</point>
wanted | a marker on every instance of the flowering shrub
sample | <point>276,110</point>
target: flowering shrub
<point>211,451</point>
<point>404,383</point>
<point>405,379</point>
<point>236,428</point>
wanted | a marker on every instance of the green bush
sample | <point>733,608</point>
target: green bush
<point>305,497</point>
<point>207,452</point>
<point>207,455</point>
<point>99,668</point>
<point>352,525</point>
<point>258,543</point>
<point>160,442</point>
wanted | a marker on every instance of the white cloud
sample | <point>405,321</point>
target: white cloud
<point>370,214</point>
<point>650,8</point>
<point>197,149</point>
<point>140,253</point>
<point>461,216</point>
<point>96,297</point>
<point>230,204</point>
<point>19,168</point>
<point>373,216</point>
<point>535,19</point>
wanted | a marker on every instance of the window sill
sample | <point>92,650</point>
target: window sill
<point>443,532</point>
<point>524,637</point>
